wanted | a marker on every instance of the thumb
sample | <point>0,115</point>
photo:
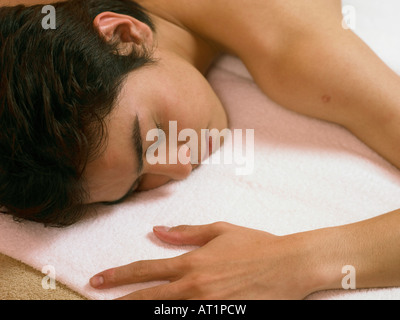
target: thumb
<point>191,235</point>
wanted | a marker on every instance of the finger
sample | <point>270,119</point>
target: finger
<point>168,291</point>
<point>192,235</point>
<point>140,271</point>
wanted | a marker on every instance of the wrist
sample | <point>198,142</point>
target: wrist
<point>321,259</point>
<point>368,249</point>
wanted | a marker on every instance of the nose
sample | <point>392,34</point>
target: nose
<point>159,174</point>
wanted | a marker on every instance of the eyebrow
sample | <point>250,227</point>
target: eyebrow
<point>137,143</point>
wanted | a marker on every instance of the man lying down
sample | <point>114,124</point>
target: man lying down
<point>78,101</point>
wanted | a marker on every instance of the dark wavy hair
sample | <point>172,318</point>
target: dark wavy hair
<point>57,87</point>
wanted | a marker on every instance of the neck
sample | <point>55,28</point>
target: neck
<point>172,36</point>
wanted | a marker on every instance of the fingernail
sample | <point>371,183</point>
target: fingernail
<point>161,229</point>
<point>97,281</point>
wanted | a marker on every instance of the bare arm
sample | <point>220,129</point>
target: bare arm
<point>301,57</point>
<point>372,247</point>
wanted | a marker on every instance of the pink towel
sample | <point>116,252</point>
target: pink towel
<point>308,174</point>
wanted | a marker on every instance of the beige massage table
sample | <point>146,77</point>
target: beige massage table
<point>21,282</point>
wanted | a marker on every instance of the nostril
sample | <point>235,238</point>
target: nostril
<point>188,152</point>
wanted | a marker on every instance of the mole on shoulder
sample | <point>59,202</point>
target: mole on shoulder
<point>326,98</point>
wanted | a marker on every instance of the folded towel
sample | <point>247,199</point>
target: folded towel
<point>308,174</point>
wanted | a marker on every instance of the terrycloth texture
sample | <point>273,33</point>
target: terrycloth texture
<point>308,174</point>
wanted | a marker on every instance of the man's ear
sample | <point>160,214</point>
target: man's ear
<point>128,32</point>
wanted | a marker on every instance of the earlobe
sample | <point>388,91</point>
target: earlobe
<point>123,29</point>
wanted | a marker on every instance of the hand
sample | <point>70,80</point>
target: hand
<point>232,263</point>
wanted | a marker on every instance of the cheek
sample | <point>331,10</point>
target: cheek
<point>108,185</point>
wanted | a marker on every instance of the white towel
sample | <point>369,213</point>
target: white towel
<point>308,174</point>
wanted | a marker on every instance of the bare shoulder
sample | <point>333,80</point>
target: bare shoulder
<point>240,26</point>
